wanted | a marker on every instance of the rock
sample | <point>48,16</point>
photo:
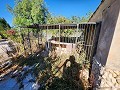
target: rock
<point>114,74</point>
<point>117,73</point>
<point>108,79</point>
<point>113,80</point>
<point>114,88</point>
<point>118,80</point>
<point>117,85</point>
<point>102,84</point>
<point>110,75</point>
<point>110,84</point>
<point>86,73</point>
<point>105,75</point>
<point>107,69</point>
<point>102,70</point>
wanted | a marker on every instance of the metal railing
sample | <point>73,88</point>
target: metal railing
<point>82,37</point>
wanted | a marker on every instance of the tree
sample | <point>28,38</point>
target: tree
<point>4,26</point>
<point>86,18</point>
<point>39,12</point>
<point>75,19</point>
<point>28,12</point>
<point>60,20</point>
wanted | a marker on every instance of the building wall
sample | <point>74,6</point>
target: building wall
<point>109,15</point>
<point>114,52</point>
<point>97,16</point>
<point>106,62</point>
<point>108,28</point>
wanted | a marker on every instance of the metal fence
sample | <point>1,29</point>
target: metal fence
<point>76,37</point>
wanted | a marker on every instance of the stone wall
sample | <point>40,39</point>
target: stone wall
<point>105,78</point>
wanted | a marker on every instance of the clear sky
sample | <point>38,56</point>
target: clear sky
<point>65,8</point>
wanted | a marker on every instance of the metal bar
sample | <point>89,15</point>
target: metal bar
<point>23,41</point>
<point>66,38</point>
<point>47,39</point>
<point>21,36</point>
<point>96,37</point>
<point>86,34</point>
<point>79,40</point>
<point>38,38</point>
<point>74,37</point>
<point>90,41</point>
<point>77,33</point>
<point>46,33</point>
<point>85,39</point>
<point>86,42</point>
<point>59,35</point>
<point>55,26</point>
<point>29,42</point>
<point>41,39</point>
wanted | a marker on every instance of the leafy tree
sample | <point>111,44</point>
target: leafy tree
<point>64,20</point>
<point>4,26</point>
<point>39,12</point>
<point>86,18</point>
<point>28,12</point>
<point>60,20</point>
<point>75,19</point>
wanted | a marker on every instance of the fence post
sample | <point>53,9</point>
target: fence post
<point>23,41</point>
<point>95,43</point>
<point>59,35</point>
<point>46,33</point>
<point>47,38</point>
<point>29,41</point>
<point>38,38</point>
<point>96,37</point>
<point>77,33</point>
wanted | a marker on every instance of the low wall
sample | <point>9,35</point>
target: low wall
<point>105,78</point>
<point>62,47</point>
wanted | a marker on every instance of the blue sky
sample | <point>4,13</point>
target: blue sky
<point>65,8</point>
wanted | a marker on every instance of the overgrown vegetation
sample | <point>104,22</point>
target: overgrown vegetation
<point>52,75</point>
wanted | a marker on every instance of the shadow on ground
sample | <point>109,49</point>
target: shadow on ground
<point>69,80</point>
